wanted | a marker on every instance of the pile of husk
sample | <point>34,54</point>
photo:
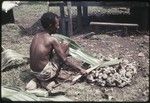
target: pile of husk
<point>119,75</point>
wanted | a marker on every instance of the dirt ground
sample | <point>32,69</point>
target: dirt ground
<point>134,47</point>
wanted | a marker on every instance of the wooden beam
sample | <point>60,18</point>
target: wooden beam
<point>85,14</point>
<point>113,24</point>
<point>55,3</point>
<point>70,32</point>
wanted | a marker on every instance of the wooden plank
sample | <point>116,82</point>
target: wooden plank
<point>55,3</point>
<point>70,32</point>
<point>87,3</point>
<point>113,24</point>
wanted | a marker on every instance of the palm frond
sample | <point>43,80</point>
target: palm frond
<point>77,51</point>
<point>16,94</point>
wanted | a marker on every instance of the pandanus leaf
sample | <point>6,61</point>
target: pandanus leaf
<point>77,51</point>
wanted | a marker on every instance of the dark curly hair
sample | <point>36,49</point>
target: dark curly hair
<point>48,19</point>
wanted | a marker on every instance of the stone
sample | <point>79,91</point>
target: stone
<point>125,61</point>
<point>116,75</point>
<point>90,79</point>
<point>103,83</point>
<point>141,54</point>
<point>110,75</point>
<point>113,84</point>
<point>113,71</point>
<point>100,74</point>
<point>107,71</point>
<point>122,72</point>
<point>104,76</point>
<point>134,70</point>
<point>110,98</point>
<point>96,74</point>
<point>93,71</point>
<point>128,75</point>
<point>110,81</point>
<point>122,84</point>
<point>100,77</point>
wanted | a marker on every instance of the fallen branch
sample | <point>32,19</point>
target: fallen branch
<point>104,64</point>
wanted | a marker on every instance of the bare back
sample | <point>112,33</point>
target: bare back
<point>41,46</point>
<point>39,51</point>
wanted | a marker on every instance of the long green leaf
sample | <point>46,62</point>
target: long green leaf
<point>76,51</point>
<point>14,94</point>
<point>78,54</point>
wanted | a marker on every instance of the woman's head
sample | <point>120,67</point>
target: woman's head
<point>50,22</point>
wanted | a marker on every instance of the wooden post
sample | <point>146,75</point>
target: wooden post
<point>85,14</point>
<point>62,21</point>
<point>79,17</point>
<point>70,32</point>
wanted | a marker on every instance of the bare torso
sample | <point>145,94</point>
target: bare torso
<point>42,46</point>
<point>39,51</point>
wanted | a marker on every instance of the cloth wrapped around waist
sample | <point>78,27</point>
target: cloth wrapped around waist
<point>49,71</point>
